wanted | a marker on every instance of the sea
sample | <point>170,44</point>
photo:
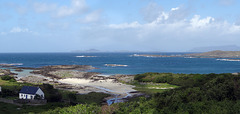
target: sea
<point>125,63</point>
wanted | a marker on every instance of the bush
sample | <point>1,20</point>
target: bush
<point>7,92</point>
<point>8,78</point>
<point>51,94</point>
<point>78,109</point>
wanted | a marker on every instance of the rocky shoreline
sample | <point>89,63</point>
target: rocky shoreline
<point>76,78</point>
<point>48,71</point>
<point>4,72</point>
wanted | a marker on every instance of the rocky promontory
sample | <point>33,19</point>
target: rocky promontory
<point>211,54</point>
<point>4,72</point>
<point>216,54</point>
<point>51,71</point>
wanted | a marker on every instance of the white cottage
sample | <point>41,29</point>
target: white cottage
<point>29,92</point>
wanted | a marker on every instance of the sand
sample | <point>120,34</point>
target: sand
<point>108,85</point>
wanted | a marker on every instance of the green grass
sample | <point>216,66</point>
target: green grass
<point>91,98</point>
<point>13,84</point>
<point>64,74</point>
<point>11,89</point>
<point>7,83</point>
<point>151,88</point>
<point>11,97</point>
<point>6,108</point>
<point>65,94</point>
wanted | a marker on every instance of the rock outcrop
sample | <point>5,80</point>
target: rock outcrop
<point>4,72</point>
<point>51,71</point>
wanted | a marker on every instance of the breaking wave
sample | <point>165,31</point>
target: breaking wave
<point>85,56</point>
<point>11,64</point>
<point>228,59</point>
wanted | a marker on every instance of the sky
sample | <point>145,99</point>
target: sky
<point>116,25</point>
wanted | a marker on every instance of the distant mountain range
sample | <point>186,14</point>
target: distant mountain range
<point>212,48</point>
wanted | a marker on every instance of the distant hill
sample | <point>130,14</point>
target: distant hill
<point>89,51</point>
<point>212,48</point>
<point>217,54</point>
<point>211,54</point>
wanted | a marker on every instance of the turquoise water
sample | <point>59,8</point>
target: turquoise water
<point>136,65</point>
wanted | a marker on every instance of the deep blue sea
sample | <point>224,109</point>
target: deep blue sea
<point>136,65</point>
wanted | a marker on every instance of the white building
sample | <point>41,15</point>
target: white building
<point>28,92</point>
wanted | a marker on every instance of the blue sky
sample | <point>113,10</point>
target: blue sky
<point>113,25</point>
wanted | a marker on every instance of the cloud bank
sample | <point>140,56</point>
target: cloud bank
<point>77,25</point>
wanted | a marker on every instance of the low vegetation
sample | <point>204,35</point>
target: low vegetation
<point>11,88</point>
<point>151,88</point>
<point>8,78</point>
<point>192,93</point>
<point>14,109</point>
<point>78,109</point>
<point>56,98</point>
<point>197,93</point>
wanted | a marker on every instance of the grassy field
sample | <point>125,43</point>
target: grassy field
<point>151,88</point>
<point>9,84</point>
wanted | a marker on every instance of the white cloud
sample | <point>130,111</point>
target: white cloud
<point>234,29</point>
<point>197,22</point>
<point>92,17</point>
<point>151,11</point>
<point>173,9</point>
<point>161,18</point>
<point>181,34</point>
<point>77,6</point>
<point>18,29</point>
<point>125,25</point>
<point>175,14</point>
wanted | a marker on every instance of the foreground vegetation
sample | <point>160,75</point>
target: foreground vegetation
<point>56,98</point>
<point>193,93</point>
<point>198,93</point>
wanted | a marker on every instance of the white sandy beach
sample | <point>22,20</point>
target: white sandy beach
<point>106,85</point>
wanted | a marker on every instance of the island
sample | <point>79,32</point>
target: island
<point>211,54</point>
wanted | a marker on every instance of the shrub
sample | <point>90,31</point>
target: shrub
<point>7,78</point>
